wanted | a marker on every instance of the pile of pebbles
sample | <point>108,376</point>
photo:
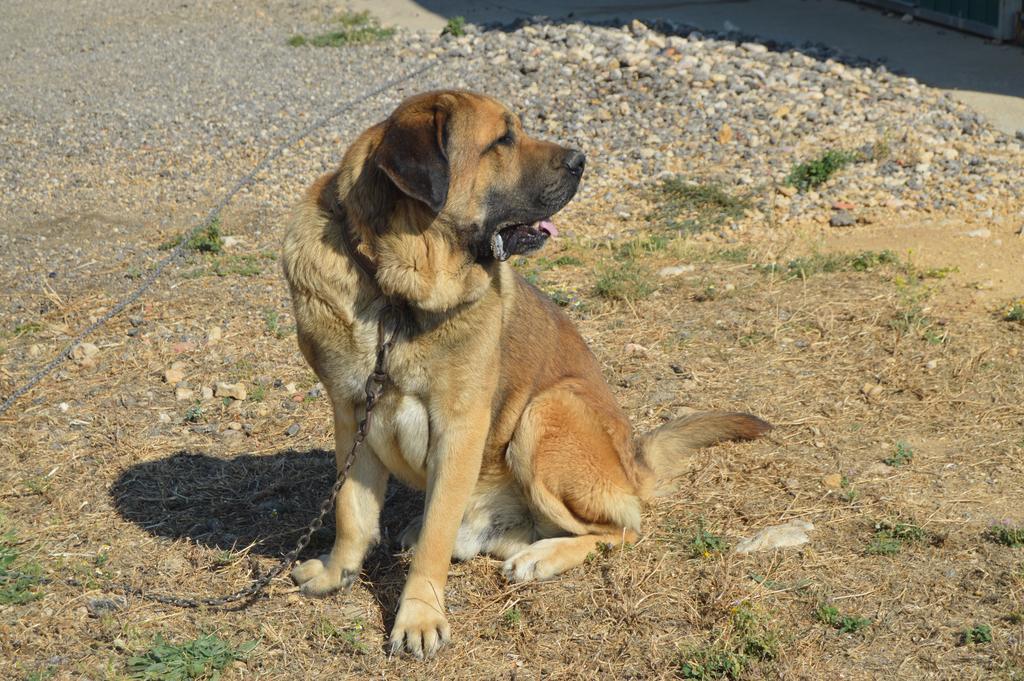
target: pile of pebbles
<point>646,100</point>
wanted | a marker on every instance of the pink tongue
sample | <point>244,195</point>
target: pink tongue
<point>548,226</point>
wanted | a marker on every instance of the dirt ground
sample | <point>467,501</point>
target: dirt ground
<point>895,385</point>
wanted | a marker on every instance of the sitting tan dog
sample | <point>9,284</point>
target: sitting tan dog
<point>494,405</point>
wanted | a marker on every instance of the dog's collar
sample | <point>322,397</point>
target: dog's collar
<point>330,204</point>
<point>361,260</point>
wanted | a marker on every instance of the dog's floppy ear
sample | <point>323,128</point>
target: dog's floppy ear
<point>412,153</point>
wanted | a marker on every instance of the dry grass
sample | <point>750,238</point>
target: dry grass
<point>105,490</point>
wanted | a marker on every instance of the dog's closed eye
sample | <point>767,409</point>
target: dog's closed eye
<point>506,140</point>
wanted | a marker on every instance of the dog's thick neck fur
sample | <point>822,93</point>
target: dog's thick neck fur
<point>417,253</point>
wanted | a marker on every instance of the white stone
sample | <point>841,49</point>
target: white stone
<point>83,354</point>
<point>233,390</point>
<point>634,350</point>
<point>675,270</point>
<point>174,374</point>
<point>793,533</point>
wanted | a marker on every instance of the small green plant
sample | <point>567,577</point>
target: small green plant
<point>626,281</point>
<point>815,172</point>
<point>693,207</point>
<point>884,546</point>
<point>354,28</point>
<point>903,531</point>
<point>849,493</point>
<point>750,641</point>
<point>567,260</point>
<point>42,674</point>
<point>259,393</point>
<point>565,298</point>
<point>828,614</point>
<point>849,624</point>
<point>272,321</point>
<point>224,558</point>
<point>512,617</point>
<point>602,550</point>
<point>753,338</point>
<point>1014,311</point>
<point>738,254</point>
<point>979,633</point>
<point>533,269</point>
<point>844,624</point>
<point>936,272</point>
<point>207,240</point>
<point>910,319</point>
<point>1006,534</point>
<point>16,582</point>
<point>27,328</point>
<point>902,456</point>
<point>891,535</point>
<point>703,543</point>
<point>349,636</point>
<point>711,662</point>
<point>708,292</point>
<point>866,261</point>
<point>825,263</point>
<point>756,638</point>
<point>879,151</point>
<point>640,246</point>
<point>38,484</point>
<point>201,658</point>
<point>456,26</point>
<point>246,265</point>
<point>194,414</point>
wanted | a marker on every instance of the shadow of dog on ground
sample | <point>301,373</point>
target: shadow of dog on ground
<point>265,501</point>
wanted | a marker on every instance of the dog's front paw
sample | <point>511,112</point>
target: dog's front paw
<point>317,577</point>
<point>420,628</point>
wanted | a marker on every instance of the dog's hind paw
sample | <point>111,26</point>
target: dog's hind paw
<point>546,558</point>
<point>411,534</point>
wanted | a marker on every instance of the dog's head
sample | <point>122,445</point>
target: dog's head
<point>470,185</point>
<point>467,158</point>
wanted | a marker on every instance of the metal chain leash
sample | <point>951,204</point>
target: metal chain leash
<point>387,330</point>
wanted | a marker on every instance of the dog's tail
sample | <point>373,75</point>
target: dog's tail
<point>665,448</point>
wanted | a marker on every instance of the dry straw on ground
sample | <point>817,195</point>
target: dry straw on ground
<point>108,477</point>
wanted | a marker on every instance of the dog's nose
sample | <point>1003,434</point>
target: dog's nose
<point>575,160</point>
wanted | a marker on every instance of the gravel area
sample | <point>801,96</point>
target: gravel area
<point>648,101</point>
